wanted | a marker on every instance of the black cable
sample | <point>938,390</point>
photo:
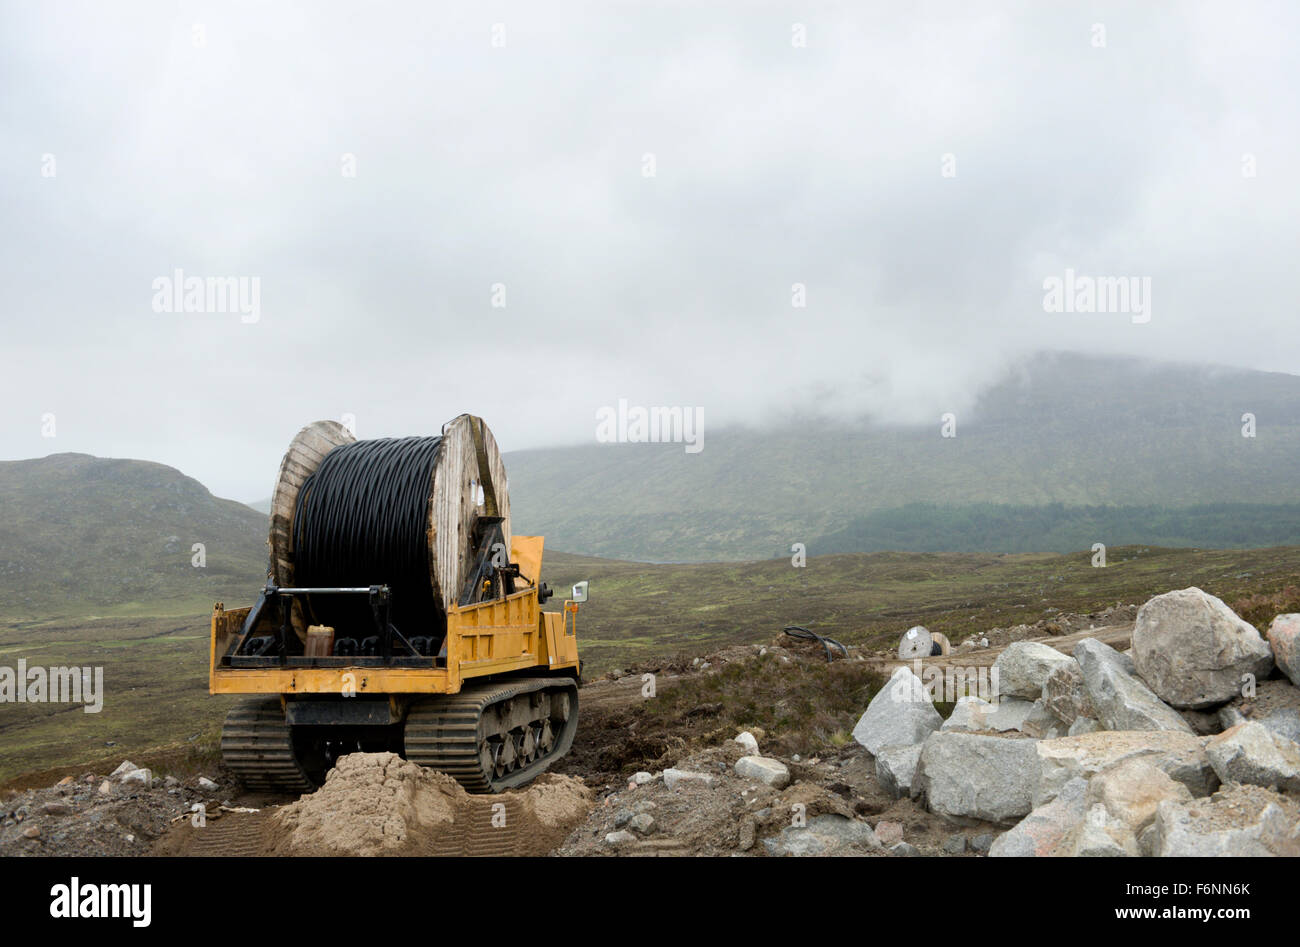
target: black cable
<point>797,631</point>
<point>362,519</point>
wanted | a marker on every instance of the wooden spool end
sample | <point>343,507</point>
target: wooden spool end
<point>458,498</point>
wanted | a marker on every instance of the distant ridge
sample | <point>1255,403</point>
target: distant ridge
<point>81,534</point>
<point>1073,430</point>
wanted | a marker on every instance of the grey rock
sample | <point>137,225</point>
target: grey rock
<point>1066,696</point>
<point>747,834</point>
<point>207,785</point>
<point>889,833</point>
<point>971,776</point>
<point>642,823</point>
<point>1284,639</point>
<point>896,768</point>
<point>973,713</point>
<point>905,850</point>
<point>1039,834</point>
<point>762,769</point>
<point>748,741</point>
<point>1122,701</point>
<point>1097,836</point>
<point>1193,651</point>
<point>824,835</point>
<point>1285,723</point>
<point>969,713</point>
<point>621,837</point>
<point>1181,756</point>
<point>1252,753</point>
<point>1131,790</point>
<point>955,844</point>
<point>1083,725</point>
<point>899,715</point>
<point>1023,668</point>
<point>125,767</point>
<point>982,843</point>
<point>137,777</point>
<point>1210,829</point>
<point>677,777</point>
<point>1040,723</point>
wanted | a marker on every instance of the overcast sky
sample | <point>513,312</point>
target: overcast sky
<point>514,145</point>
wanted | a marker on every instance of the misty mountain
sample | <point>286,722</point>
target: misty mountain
<point>87,535</point>
<point>1062,433</point>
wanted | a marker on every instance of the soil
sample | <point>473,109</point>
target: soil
<point>379,804</point>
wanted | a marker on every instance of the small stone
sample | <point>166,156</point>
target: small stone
<point>66,780</point>
<point>126,767</point>
<point>106,788</point>
<point>749,742</point>
<point>171,782</point>
<point>954,844</point>
<point>207,785</point>
<point>621,837</point>
<point>32,831</point>
<point>748,834</point>
<point>137,777</point>
<point>642,823</point>
<point>889,833</point>
<point>676,777</point>
<point>56,808</point>
<point>772,772</point>
<point>905,850</point>
<point>982,843</point>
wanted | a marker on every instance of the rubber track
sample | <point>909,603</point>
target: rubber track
<point>256,745</point>
<point>442,733</point>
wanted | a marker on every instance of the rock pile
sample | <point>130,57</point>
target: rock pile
<point>1183,746</point>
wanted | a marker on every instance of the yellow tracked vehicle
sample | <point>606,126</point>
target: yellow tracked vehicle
<point>399,614</point>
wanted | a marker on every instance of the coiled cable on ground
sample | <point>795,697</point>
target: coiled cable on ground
<point>797,631</point>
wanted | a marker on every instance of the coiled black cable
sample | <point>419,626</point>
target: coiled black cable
<point>798,631</point>
<point>362,519</point>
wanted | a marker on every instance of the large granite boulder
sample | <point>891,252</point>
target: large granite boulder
<point>1194,652</point>
<point>1121,699</point>
<point>967,776</point>
<point>1024,666</point>
<point>901,714</point>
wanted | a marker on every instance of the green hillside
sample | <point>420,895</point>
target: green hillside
<point>82,535</point>
<point>1069,430</point>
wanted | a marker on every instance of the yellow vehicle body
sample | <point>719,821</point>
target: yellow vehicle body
<point>511,634</point>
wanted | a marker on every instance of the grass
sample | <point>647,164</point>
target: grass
<point>155,668</point>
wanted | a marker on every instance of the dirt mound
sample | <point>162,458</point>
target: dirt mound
<point>381,804</point>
